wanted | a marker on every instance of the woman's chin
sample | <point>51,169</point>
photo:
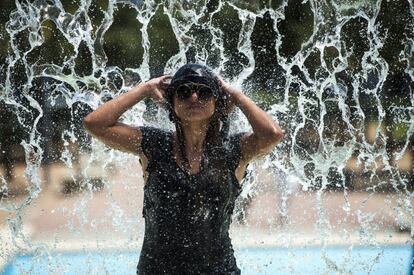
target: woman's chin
<point>194,117</point>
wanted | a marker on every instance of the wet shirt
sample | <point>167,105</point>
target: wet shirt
<point>187,217</point>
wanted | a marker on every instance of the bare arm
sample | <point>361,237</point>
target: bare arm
<point>266,132</point>
<point>103,122</point>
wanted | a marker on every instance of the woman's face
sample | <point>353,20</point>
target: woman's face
<point>193,103</point>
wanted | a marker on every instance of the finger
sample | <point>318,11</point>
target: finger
<point>159,94</point>
<point>221,81</point>
<point>224,85</point>
<point>164,84</point>
<point>165,78</point>
<point>162,104</point>
<point>162,92</point>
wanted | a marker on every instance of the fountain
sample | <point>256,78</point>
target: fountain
<point>337,76</point>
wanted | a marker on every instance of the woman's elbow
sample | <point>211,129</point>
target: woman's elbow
<point>270,139</point>
<point>276,135</point>
<point>90,124</point>
<point>279,135</point>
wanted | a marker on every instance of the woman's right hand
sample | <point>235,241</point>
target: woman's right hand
<point>155,88</point>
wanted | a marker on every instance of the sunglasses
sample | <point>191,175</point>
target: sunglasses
<point>185,91</point>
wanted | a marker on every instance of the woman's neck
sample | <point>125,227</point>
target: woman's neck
<point>195,135</point>
<point>191,156</point>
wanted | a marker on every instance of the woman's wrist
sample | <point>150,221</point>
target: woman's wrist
<point>142,90</point>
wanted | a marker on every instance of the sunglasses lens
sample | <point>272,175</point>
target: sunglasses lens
<point>184,92</point>
<point>204,93</point>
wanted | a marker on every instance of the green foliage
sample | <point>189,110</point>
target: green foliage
<point>400,130</point>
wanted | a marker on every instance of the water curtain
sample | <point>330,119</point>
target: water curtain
<point>337,75</point>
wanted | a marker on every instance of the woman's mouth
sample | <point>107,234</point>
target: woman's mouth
<point>195,106</point>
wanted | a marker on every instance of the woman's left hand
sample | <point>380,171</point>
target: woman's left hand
<point>231,93</point>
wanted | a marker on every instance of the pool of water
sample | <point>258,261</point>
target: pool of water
<point>310,260</point>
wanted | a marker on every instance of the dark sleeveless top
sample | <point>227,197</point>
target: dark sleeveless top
<point>187,217</point>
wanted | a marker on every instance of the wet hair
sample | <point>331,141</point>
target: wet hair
<point>219,124</point>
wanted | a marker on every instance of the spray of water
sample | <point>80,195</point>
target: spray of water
<point>326,93</point>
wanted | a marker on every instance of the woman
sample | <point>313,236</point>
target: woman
<point>192,176</point>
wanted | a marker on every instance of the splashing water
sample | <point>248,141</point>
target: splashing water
<point>337,75</point>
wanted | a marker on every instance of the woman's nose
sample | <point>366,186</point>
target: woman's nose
<point>194,96</point>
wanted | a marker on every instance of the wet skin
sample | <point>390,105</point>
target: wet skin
<point>193,110</point>
<point>195,115</point>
